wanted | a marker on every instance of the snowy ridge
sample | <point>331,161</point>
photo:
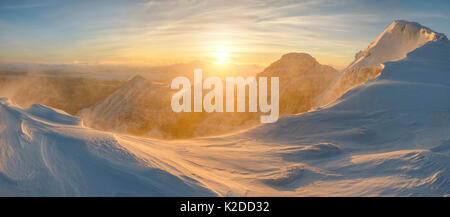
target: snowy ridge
<point>400,38</point>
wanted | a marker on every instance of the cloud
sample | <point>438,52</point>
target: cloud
<point>22,6</point>
<point>182,30</point>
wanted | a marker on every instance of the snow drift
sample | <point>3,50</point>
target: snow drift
<point>46,152</point>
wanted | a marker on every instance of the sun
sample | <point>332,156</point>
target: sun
<point>221,57</point>
<point>221,53</point>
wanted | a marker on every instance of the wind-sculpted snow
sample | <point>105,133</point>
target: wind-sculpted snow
<point>43,152</point>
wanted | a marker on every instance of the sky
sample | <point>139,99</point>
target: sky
<point>155,32</point>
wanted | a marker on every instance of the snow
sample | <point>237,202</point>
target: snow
<point>400,38</point>
<point>44,152</point>
<point>387,137</point>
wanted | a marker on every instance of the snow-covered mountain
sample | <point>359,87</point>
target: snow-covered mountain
<point>140,107</point>
<point>400,38</point>
<point>386,137</point>
<point>302,80</point>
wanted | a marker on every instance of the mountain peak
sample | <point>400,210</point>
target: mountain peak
<point>137,78</point>
<point>298,57</point>
<point>291,62</point>
<point>400,38</point>
<point>393,44</point>
<point>414,28</point>
<point>295,64</point>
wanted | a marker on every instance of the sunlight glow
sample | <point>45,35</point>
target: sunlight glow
<point>221,58</point>
<point>221,53</point>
